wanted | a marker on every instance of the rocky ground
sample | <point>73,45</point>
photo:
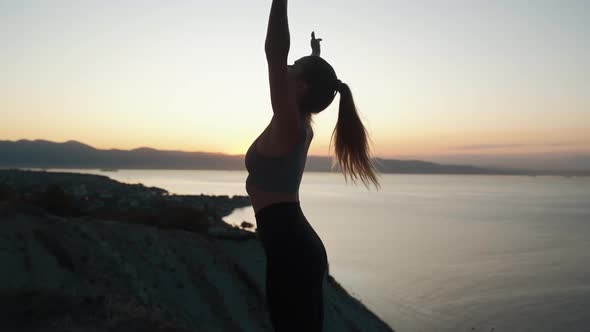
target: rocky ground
<point>86,272</point>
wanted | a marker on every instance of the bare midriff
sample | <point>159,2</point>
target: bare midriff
<point>261,198</point>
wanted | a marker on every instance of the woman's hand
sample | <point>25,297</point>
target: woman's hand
<point>315,44</point>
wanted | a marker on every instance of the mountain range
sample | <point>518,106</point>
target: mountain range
<point>73,154</point>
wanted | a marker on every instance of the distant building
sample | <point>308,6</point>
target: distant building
<point>79,191</point>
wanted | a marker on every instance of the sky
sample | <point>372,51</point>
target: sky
<point>501,83</point>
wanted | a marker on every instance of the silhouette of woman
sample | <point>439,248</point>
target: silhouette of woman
<point>296,260</point>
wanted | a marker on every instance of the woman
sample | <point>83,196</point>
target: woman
<point>296,257</point>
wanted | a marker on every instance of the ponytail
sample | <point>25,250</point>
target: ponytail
<point>351,142</point>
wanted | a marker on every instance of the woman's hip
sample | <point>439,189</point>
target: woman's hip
<point>287,235</point>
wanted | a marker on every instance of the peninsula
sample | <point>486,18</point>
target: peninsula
<point>84,252</point>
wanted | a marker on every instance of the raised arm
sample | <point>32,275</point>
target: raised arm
<point>278,40</point>
<point>286,114</point>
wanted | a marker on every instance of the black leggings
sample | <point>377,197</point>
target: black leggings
<point>296,266</point>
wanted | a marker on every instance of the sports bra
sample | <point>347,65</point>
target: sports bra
<point>282,173</point>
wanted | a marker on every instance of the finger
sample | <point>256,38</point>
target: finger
<point>313,35</point>
<point>320,39</point>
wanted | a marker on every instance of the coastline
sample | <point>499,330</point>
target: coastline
<point>64,214</point>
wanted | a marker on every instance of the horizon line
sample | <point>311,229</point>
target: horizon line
<point>413,156</point>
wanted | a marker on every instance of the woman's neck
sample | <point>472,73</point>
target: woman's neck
<point>306,117</point>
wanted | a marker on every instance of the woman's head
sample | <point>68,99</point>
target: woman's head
<point>316,85</point>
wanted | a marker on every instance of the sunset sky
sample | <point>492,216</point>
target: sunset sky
<point>485,82</point>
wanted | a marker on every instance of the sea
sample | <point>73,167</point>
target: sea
<point>439,252</point>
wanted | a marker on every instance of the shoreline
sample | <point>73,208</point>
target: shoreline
<point>499,172</point>
<point>153,251</point>
<point>564,174</point>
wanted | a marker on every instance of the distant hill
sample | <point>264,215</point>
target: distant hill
<point>73,154</point>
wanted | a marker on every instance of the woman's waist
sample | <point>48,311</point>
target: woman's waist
<point>261,198</point>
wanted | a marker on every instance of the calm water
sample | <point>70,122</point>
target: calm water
<point>441,253</point>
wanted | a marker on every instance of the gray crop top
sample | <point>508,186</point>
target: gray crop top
<point>279,174</point>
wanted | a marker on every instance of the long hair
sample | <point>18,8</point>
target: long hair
<point>351,140</point>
